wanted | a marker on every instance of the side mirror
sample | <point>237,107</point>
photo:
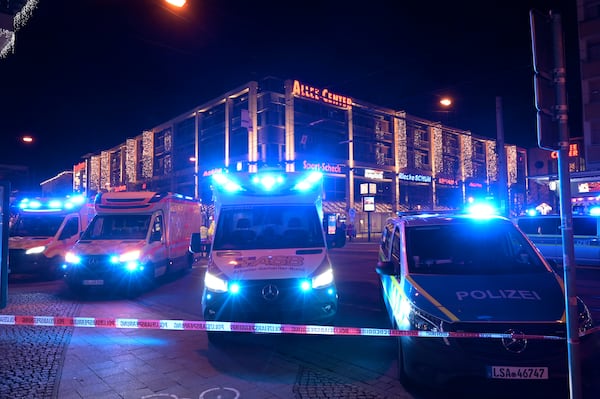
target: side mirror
<point>385,268</point>
<point>195,243</point>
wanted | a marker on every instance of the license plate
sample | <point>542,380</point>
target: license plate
<point>517,373</point>
<point>93,282</point>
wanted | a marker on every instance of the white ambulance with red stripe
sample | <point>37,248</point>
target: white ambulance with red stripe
<point>43,230</point>
<point>134,238</point>
<point>269,259</point>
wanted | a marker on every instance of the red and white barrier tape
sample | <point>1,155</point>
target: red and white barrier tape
<point>261,328</point>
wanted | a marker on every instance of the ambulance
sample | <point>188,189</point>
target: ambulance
<point>134,238</point>
<point>269,259</point>
<point>42,232</point>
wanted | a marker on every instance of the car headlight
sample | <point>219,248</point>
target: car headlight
<point>35,250</point>
<point>424,321</point>
<point>214,283</point>
<point>72,258</point>
<point>584,319</point>
<point>323,279</point>
<point>126,257</point>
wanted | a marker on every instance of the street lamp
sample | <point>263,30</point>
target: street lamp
<point>445,107</point>
<point>176,3</point>
<point>446,102</point>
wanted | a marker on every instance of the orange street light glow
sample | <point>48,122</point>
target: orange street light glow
<point>446,102</point>
<point>27,139</point>
<point>176,3</point>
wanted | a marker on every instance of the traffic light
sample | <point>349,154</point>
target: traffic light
<point>545,79</point>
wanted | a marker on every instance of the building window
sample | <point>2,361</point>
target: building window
<point>421,159</point>
<point>591,10</point>
<point>593,51</point>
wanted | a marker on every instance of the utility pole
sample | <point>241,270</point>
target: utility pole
<point>553,134</point>
<point>502,168</point>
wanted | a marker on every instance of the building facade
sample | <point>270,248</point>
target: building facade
<point>408,163</point>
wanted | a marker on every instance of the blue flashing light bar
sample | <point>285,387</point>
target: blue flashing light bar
<point>595,211</point>
<point>483,207</point>
<point>52,204</point>
<point>309,181</point>
<point>226,182</point>
<point>531,212</point>
<point>268,182</point>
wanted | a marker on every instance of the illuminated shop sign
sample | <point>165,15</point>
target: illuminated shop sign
<point>322,167</point>
<point>211,172</point>
<point>573,152</point>
<point>475,185</point>
<point>374,174</point>
<point>368,204</point>
<point>446,181</point>
<point>588,187</point>
<point>79,167</point>
<point>323,95</point>
<point>417,178</point>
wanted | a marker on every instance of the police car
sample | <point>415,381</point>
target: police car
<point>446,275</point>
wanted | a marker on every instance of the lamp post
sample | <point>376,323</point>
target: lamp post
<point>176,3</point>
<point>445,107</point>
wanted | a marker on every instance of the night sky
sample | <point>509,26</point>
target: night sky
<point>86,75</point>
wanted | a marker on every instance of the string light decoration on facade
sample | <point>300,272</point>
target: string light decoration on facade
<point>401,139</point>
<point>105,169</point>
<point>511,158</point>
<point>466,153</point>
<point>8,37</point>
<point>20,20</point>
<point>95,173</point>
<point>130,160</point>
<point>24,15</point>
<point>147,153</point>
<point>492,161</point>
<point>438,153</point>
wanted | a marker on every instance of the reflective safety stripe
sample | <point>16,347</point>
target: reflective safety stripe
<point>431,299</point>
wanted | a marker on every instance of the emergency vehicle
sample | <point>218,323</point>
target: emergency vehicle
<point>42,231</point>
<point>269,259</point>
<point>462,274</point>
<point>134,238</point>
<point>545,231</point>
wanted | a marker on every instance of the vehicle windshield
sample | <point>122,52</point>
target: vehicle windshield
<point>470,248</point>
<point>117,227</point>
<point>268,227</point>
<point>36,225</point>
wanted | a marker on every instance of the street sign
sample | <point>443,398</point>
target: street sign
<point>368,204</point>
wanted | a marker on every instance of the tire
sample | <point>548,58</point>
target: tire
<point>402,376</point>
<point>216,338</point>
<point>54,271</point>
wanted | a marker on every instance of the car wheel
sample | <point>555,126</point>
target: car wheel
<point>402,375</point>
<point>216,338</point>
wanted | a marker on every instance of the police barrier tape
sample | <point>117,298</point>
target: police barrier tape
<point>260,328</point>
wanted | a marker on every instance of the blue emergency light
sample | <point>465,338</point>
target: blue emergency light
<point>51,204</point>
